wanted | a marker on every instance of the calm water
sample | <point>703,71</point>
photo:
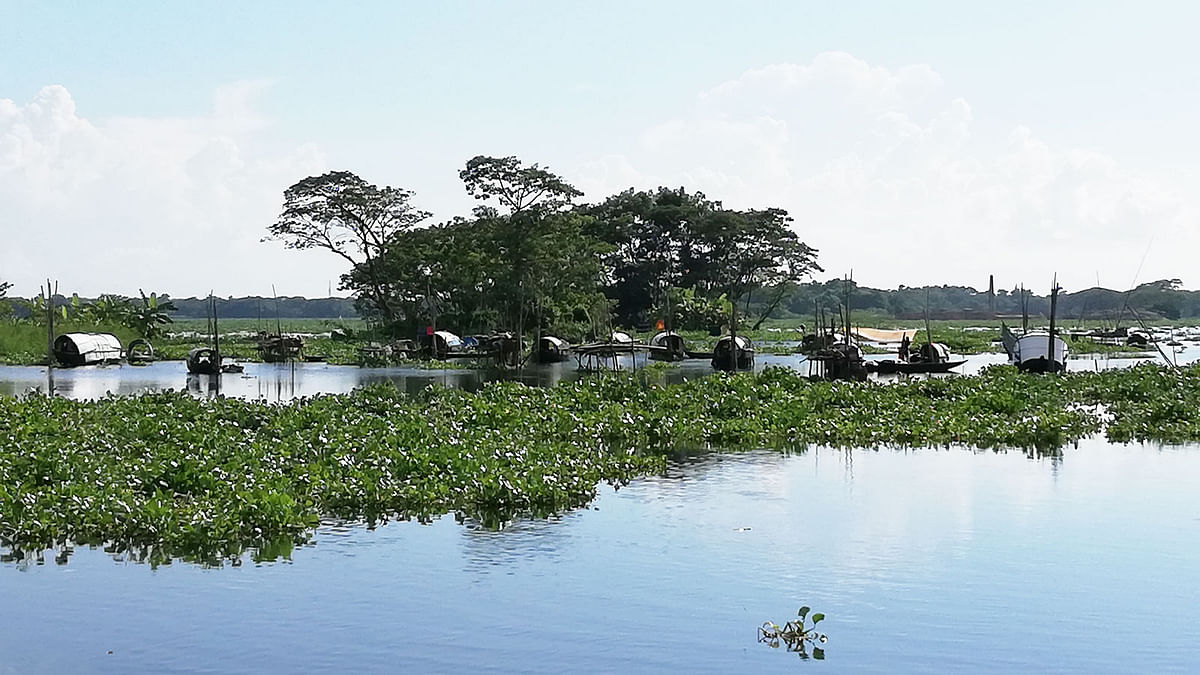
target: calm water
<point>282,382</point>
<point>924,561</point>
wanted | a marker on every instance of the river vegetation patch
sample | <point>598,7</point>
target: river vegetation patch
<point>171,476</point>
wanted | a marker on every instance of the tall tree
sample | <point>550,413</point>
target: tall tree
<point>735,252</point>
<point>342,213</point>
<point>650,233</point>
<point>526,224</point>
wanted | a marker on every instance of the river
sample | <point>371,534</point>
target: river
<point>924,560</point>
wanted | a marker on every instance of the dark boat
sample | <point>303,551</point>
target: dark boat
<point>930,357</point>
<point>840,361</point>
<point>733,353</point>
<point>889,366</point>
<point>203,361</point>
<point>279,348</point>
<point>668,346</point>
<point>552,350</point>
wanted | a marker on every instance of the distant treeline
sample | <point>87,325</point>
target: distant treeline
<point>250,307</point>
<point>253,307</point>
<point>1157,299</point>
<point>1163,299</point>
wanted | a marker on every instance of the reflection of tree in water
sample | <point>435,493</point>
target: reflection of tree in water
<point>278,549</point>
<point>490,543</point>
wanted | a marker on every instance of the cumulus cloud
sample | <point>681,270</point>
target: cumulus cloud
<point>176,204</point>
<point>885,171</point>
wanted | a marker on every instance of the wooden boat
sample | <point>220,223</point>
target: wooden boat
<point>733,353</point>
<point>1031,352</point>
<point>203,361</point>
<point>668,346</point>
<point>83,349</point>
<point>929,357</point>
<point>890,366</point>
<point>552,350</point>
<point>279,348</point>
<point>841,361</point>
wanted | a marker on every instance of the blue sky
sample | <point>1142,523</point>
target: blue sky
<point>187,120</point>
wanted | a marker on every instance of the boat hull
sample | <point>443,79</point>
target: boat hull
<point>889,367</point>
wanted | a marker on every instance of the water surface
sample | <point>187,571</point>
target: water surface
<point>283,382</point>
<point>923,560</point>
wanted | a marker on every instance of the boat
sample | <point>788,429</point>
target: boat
<point>278,348</point>
<point>1029,352</point>
<point>840,361</point>
<point>929,357</point>
<point>203,361</point>
<point>668,346</point>
<point>733,353</point>
<point>552,350</point>
<point>85,349</point>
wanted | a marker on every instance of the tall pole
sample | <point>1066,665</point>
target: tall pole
<point>49,325</point>
<point>1050,339</point>
<point>212,300</point>
<point>732,331</point>
<point>992,295</point>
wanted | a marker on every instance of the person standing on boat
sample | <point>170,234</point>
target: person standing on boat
<point>904,348</point>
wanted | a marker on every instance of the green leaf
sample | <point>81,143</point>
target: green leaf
<point>816,618</point>
<point>804,611</point>
<point>818,654</point>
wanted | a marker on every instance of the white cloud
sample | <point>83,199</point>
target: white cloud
<point>886,173</point>
<point>176,204</point>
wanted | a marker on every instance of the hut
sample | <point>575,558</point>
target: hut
<point>732,353</point>
<point>81,349</point>
<point>552,349</point>
<point>668,346</point>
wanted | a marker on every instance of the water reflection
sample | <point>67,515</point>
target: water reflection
<point>284,382</point>
<point>920,559</point>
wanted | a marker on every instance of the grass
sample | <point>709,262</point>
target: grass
<point>25,344</point>
<point>170,476</point>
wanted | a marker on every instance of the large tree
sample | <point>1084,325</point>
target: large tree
<point>522,210</point>
<point>650,234</point>
<point>344,214</point>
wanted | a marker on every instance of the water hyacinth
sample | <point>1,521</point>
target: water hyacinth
<point>172,476</point>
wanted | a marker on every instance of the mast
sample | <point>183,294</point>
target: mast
<point>216,332</point>
<point>1050,338</point>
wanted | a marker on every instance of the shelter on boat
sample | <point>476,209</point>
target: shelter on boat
<point>929,357</point>
<point>841,361</point>
<point>877,335</point>
<point>620,338</point>
<point>1032,350</point>
<point>279,348</point>
<point>668,346</point>
<point>203,361</point>
<point>732,353</point>
<point>552,349</point>
<point>81,349</point>
<point>443,343</point>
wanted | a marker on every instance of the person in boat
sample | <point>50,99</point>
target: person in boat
<point>904,348</point>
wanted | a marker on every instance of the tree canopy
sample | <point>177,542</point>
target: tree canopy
<point>528,256</point>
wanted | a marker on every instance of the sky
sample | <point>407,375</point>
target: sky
<point>147,145</point>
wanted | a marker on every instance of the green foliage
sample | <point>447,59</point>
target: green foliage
<point>346,215</point>
<point>205,479</point>
<point>796,635</point>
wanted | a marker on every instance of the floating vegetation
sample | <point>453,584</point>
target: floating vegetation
<point>176,477</point>
<point>795,635</point>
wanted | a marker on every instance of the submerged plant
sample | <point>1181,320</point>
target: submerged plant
<point>795,635</point>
